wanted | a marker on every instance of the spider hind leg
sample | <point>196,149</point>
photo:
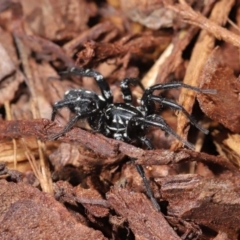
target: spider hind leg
<point>157,121</point>
<point>146,183</point>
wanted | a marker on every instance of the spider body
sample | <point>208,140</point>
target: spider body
<point>117,119</point>
<point>122,121</point>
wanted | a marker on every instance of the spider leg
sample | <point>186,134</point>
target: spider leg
<point>172,85</point>
<point>70,124</point>
<point>103,85</point>
<point>147,142</point>
<point>157,121</point>
<point>100,126</point>
<point>127,94</point>
<point>66,128</point>
<point>58,105</point>
<point>141,172</point>
<point>176,106</point>
<point>167,86</point>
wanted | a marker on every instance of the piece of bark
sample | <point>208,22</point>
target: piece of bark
<point>10,174</point>
<point>171,62</point>
<point>144,220</point>
<point>92,201</point>
<point>110,148</point>
<point>228,145</point>
<point>89,198</point>
<point>221,236</point>
<point>210,202</point>
<point>44,47</point>
<point>27,213</point>
<point>228,56</point>
<point>223,106</point>
<point>221,11</point>
<point>151,14</point>
<point>43,128</point>
<point>10,76</point>
<point>93,34</point>
<point>57,20</point>
<point>134,44</point>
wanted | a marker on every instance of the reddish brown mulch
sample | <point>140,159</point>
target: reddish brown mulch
<point>82,185</point>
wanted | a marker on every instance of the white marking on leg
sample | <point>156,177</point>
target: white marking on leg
<point>99,77</point>
<point>107,94</point>
<point>123,85</point>
<point>101,98</point>
<point>117,136</point>
<point>128,97</point>
<point>67,92</point>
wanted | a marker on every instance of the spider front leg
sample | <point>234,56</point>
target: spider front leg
<point>103,85</point>
<point>66,128</point>
<point>59,105</point>
<point>71,123</point>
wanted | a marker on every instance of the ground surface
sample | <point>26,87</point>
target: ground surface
<point>82,185</point>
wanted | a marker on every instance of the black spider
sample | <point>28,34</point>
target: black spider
<point>122,121</point>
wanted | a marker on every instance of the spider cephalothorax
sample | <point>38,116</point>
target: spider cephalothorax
<point>122,121</point>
